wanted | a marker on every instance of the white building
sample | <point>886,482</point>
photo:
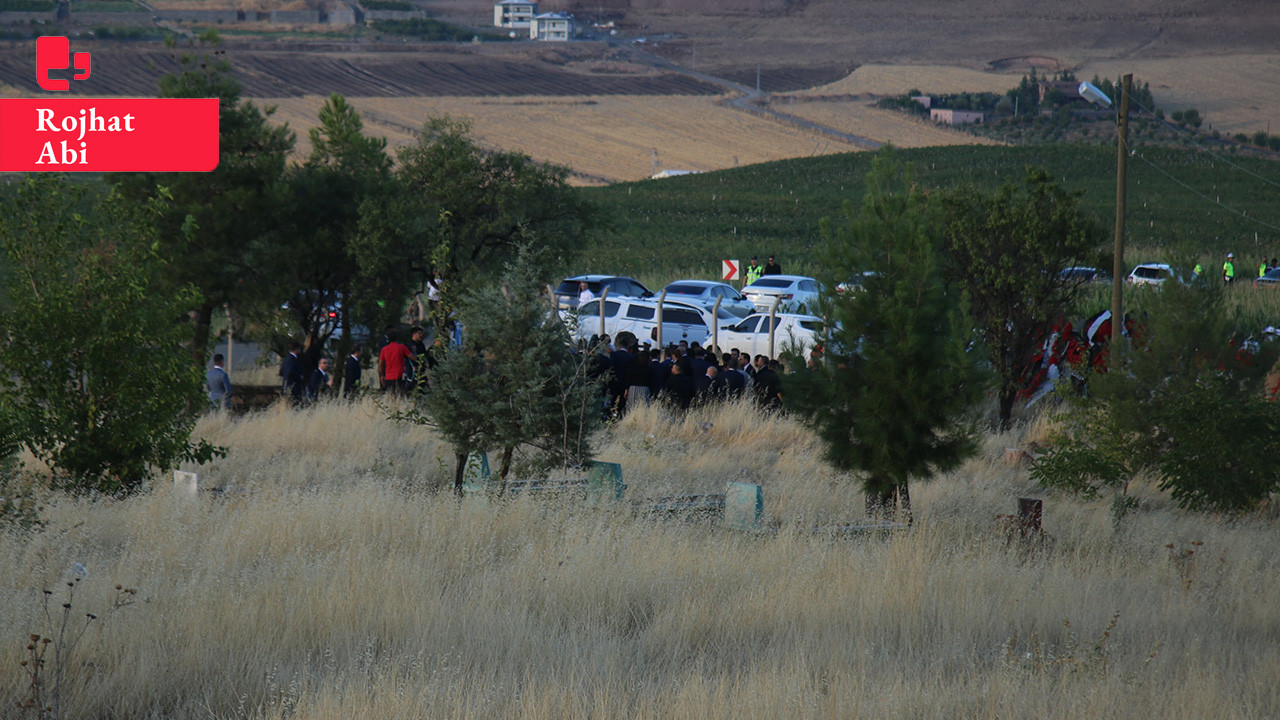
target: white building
<point>552,27</point>
<point>514,13</point>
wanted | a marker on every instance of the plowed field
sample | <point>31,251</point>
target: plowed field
<point>131,70</point>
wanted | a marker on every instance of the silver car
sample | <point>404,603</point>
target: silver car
<point>795,293</point>
<point>706,292</point>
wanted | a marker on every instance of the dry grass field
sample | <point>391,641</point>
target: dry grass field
<point>340,584</point>
<point>604,138</point>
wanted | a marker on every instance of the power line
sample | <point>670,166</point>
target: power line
<point>1193,191</point>
<point>1191,137</point>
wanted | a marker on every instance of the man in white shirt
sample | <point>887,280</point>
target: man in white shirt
<point>584,295</point>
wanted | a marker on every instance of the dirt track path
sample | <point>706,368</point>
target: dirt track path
<point>749,99</point>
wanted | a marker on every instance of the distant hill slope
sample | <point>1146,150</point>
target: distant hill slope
<point>686,225</point>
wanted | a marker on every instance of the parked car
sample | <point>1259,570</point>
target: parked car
<point>799,294</point>
<point>857,282</point>
<point>706,292</point>
<point>1154,274</point>
<point>790,329</point>
<point>1084,274</point>
<point>639,316</point>
<point>324,311</point>
<point>1270,279</point>
<point>568,290</point>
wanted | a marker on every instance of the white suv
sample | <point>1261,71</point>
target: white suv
<point>680,321</point>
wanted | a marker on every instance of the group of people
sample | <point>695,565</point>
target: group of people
<point>680,376</point>
<point>1229,268</point>
<point>754,271</point>
<point>319,383</point>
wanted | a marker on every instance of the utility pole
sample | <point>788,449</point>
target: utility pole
<point>1117,267</point>
<point>758,81</point>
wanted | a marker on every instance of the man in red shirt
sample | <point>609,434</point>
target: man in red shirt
<point>392,363</point>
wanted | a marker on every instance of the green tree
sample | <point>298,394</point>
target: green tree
<point>1189,407</point>
<point>463,210</point>
<point>890,396</point>
<point>214,219</point>
<point>515,382</point>
<point>94,379</point>
<point>1004,250</point>
<point>308,253</point>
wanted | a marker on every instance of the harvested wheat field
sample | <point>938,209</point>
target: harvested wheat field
<point>339,583</point>
<point>885,80</point>
<point>603,138</point>
<point>859,117</point>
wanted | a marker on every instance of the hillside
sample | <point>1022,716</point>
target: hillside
<point>686,225</point>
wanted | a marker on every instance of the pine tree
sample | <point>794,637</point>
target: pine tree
<point>515,381</point>
<point>891,393</point>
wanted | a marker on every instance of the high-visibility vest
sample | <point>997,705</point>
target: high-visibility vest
<point>1198,270</point>
<point>1262,269</point>
<point>754,273</point>
<point>1228,270</point>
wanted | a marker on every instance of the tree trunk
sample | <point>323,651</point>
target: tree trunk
<point>879,498</point>
<point>885,500</point>
<point>459,472</point>
<point>504,469</point>
<point>200,334</point>
<point>1007,396</point>
<point>904,500</point>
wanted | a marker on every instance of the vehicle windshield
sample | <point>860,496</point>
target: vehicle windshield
<point>684,289</point>
<point>570,287</point>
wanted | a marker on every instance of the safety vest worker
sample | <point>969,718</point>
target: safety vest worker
<point>1262,269</point>
<point>1229,270</point>
<point>754,271</point>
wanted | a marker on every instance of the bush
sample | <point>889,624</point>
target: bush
<point>1188,406</point>
<point>96,380</point>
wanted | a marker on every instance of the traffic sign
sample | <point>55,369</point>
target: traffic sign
<point>730,269</point>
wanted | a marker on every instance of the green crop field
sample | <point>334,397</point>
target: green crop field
<point>685,225</point>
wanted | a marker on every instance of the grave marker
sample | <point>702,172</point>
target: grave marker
<point>604,479</point>
<point>186,483</point>
<point>743,505</point>
<point>476,476</point>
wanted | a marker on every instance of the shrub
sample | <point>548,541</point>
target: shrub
<point>96,380</point>
<point>1186,405</point>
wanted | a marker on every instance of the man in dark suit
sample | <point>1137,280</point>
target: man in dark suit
<point>320,383</point>
<point>768,387</point>
<point>351,373</point>
<point>772,267</point>
<point>291,375</point>
<point>710,387</point>
<point>219,385</point>
<point>678,390</point>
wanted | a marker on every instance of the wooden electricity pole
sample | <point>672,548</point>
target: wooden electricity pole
<point>1117,267</point>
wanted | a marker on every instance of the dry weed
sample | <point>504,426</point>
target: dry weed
<point>340,586</point>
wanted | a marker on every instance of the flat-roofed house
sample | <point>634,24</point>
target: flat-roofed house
<point>514,13</point>
<point>955,117</point>
<point>551,27</point>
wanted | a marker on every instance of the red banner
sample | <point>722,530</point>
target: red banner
<point>108,135</point>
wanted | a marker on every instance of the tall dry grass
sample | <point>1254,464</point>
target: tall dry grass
<point>340,584</point>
